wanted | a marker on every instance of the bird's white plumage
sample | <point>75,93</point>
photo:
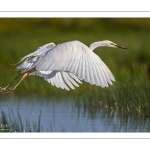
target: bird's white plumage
<point>59,79</point>
<point>31,58</point>
<point>66,64</point>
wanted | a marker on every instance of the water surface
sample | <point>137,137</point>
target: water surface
<point>63,115</point>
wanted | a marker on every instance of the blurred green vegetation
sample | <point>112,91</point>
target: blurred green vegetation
<point>20,36</point>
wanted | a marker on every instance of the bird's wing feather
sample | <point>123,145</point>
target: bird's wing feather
<point>78,59</point>
<point>64,80</point>
<point>39,51</point>
<point>31,58</point>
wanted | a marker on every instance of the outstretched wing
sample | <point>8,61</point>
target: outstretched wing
<point>76,58</point>
<point>64,80</point>
<point>31,58</point>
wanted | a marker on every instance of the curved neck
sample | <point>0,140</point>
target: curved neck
<point>96,44</point>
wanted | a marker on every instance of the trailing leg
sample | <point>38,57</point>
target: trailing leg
<point>22,76</point>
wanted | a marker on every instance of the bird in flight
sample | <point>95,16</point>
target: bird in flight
<point>65,65</point>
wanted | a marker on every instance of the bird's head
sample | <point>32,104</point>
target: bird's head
<point>108,43</point>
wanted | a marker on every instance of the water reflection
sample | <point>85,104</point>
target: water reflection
<point>64,115</point>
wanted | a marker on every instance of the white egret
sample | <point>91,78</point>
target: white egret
<point>66,64</point>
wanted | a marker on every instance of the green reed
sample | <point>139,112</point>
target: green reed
<point>128,99</point>
<point>10,122</point>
